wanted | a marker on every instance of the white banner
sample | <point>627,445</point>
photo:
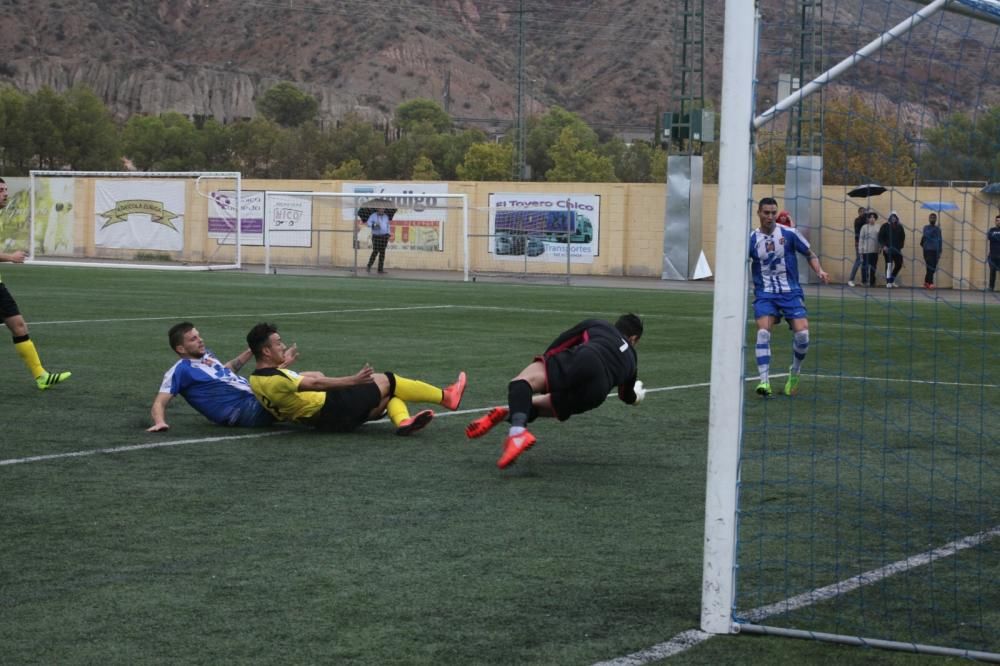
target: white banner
<point>222,217</point>
<point>289,220</point>
<point>543,226</point>
<point>417,223</point>
<point>139,214</point>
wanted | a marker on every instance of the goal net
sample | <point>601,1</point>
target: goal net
<point>162,220</point>
<point>428,228</point>
<point>863,506</point>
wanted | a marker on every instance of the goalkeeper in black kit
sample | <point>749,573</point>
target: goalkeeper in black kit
<point>573,376</point>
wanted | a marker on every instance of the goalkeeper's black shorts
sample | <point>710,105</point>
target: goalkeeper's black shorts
<point>577,381</point>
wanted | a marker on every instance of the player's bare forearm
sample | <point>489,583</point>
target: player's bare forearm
<point>818,269</point>
<point>240,360</point>
<point>14,257</point>
<point>158,413</point>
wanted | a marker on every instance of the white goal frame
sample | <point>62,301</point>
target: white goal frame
<point>197,175</point>
<point>726,394</point>
<point>359,199</point>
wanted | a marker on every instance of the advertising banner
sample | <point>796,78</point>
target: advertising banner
<point>222,217</point>
<point>53,216</point>
<point>139,214</point>
<point>417,221</point>
<point>545,226</point>
<point>289,220</point>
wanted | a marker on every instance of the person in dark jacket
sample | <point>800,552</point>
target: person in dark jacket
<point>892,238</point>
<point>932,243</point>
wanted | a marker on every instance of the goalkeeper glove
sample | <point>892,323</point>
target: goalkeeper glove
<point>639,391</point>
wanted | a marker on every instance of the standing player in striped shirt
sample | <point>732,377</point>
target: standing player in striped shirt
<point>777,292</point>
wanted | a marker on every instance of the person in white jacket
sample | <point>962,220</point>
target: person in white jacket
<point>868,247</point>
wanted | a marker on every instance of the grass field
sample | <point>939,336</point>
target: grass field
<point>286,546</point>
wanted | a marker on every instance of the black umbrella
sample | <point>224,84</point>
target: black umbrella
<point>992,188</point>
<point>865,191</point>
<point>369,207</point>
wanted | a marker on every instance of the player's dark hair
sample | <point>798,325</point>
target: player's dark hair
<point>767,201</point>
<point>629,324</point>
<point>177,332</point>
<point>258,337</point>
<point>2,180</point>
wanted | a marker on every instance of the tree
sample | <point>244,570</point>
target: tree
<point>15,140</point>
<point>91,137</point>
<point>423,169</point>
<point>47,118</point>
<point>254,145</point>
<point>571,162</point>
<point>356,139</point>
<point>963,148</point>
<point>349,170</point>
<point>544,132</point>
<point>411,115</point>
<point>862,145</point>
<point>486,161</point>
<point>287,105</point>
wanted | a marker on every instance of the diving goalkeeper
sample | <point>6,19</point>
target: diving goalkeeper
<point>573,376</point>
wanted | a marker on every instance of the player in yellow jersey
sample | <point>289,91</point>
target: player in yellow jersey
<point>339,404</point>
<point>18,328</point>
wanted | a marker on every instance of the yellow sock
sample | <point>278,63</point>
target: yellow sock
<point>412,390</point>
<point>26,350</point>
<point>397,411</point>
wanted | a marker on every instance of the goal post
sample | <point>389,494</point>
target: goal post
<point>132,219</point>
<point>861,508</point>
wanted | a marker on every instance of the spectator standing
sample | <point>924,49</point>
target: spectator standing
<point>378,222</point>
<point>868,249</point>
<point>993,235</point>
<point>892,238</point>
<point>859,222</point>
<point>932,244</point>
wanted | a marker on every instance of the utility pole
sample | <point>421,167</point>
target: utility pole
<point>519,153</point>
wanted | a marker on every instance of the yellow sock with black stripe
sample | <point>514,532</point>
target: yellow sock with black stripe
<point>413,390</point>
<point>397,411</point>
<point>26,350</point>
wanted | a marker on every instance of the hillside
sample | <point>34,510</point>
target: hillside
<point>613,62</point>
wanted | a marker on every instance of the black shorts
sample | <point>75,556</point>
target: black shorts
<point>8,308</point>
<point>576,381</point>
<point>346,409</point>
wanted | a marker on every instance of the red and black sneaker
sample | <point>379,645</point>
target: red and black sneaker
<point>514,446</point>
<point>484,424</point>
<point>416,422</point>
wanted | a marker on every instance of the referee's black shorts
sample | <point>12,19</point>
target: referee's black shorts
<point>576,380</point>
<point>347,408</point>
<point>8,308</point>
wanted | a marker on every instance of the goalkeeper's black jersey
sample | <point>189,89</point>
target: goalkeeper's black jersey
<point>606,345</point>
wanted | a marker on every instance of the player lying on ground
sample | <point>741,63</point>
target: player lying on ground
<point>340,404</point>
<point>213,388</point>
<point>573,376</point>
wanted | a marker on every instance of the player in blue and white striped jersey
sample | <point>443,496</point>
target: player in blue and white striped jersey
<point>213,388</point>
<point>774,266</point>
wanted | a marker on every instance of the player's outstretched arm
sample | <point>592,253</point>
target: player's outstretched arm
<point>14,257</point>
<point>316,381</point>
<point>241,360</point>
<point>158,413</point>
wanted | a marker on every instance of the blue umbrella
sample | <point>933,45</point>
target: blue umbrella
<point>939,205</point>
<point>992,188</point>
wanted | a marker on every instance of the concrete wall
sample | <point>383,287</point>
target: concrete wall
<point>631,233</point>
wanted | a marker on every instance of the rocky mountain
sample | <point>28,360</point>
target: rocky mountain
<point>615,62</point>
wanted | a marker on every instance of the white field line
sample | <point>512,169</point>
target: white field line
<point>693,637</point>
<point>270,433</point>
